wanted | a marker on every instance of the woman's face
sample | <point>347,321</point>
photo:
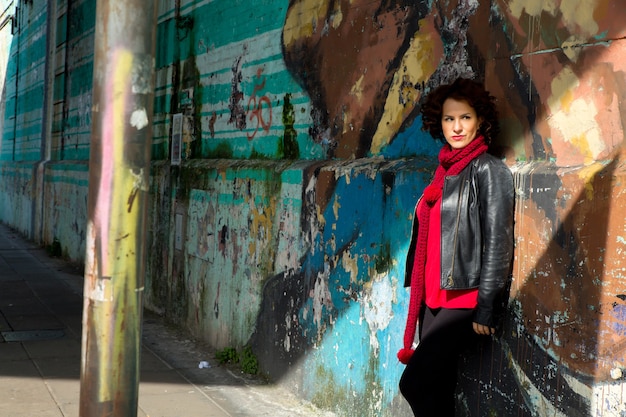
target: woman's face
<point>459,123</point>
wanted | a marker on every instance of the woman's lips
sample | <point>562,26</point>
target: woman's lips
<point>458,137</point>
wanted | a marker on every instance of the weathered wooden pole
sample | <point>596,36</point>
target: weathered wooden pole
<point>119,170</point>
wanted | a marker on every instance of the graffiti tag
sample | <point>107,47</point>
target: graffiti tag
<point>259,109</point>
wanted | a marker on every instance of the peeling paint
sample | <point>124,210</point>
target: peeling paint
<point>377,310</point>
<point>237,111</point>
<point>321,300</point>
<point>350,264</point>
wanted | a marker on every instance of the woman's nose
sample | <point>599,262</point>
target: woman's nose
<point>457,126</point>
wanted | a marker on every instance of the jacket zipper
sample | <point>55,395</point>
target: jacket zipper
<point>456,234</point>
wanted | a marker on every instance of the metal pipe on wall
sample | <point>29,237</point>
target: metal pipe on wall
<point>123,95</point>
<point>39,170</point>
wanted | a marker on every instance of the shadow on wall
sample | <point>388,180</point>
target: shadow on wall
<point>561,341</point>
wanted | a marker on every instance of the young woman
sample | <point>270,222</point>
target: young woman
<point>461,250</point>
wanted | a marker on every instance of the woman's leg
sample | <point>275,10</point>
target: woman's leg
<point>429,380</point>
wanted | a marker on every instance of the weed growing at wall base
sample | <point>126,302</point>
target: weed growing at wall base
<point>247,360</point>
<point>227,355</point>
<point>54,249</point>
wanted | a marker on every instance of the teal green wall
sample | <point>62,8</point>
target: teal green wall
<point>215,58</point>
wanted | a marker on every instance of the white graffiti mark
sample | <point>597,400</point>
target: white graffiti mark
<point>287,341</point>
<point>321,298</point>
<point>313,216</point>
<point>376,305</point>
<point>139,119</point>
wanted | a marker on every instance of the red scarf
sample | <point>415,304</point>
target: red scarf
<point>451,162</point>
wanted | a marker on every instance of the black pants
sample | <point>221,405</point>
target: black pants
<point>429,380</point>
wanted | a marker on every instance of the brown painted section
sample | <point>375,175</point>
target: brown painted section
<point>349,65</point>
<point>569,268</point>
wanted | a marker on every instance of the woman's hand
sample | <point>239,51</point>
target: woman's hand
<point>482,329</point>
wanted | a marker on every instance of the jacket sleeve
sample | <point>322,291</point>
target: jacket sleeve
<point>497,207</point>
<point>412,245</point>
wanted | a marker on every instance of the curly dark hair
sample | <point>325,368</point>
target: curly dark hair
<point>462,89</point>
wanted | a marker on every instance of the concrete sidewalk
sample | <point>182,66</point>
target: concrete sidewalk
<point>40,348</point>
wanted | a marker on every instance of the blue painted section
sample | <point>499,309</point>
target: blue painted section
<point>412,141</point>
<point>370,218</point>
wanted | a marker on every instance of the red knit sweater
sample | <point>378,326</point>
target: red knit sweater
<point>435,297</point>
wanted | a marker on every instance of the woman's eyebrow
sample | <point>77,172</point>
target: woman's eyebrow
<point>461,115</point>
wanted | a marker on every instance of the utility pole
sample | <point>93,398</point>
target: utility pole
<point>119,173</point>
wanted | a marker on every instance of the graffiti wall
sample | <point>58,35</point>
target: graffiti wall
<point>357,72</point>
<point>287,159</point>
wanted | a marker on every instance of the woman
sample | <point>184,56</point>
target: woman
<point>461,250</point>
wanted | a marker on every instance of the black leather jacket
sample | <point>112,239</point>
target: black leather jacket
<point>477,210</point>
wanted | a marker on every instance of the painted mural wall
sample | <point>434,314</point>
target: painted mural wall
<point>331,299</point>
<point>288,157</point>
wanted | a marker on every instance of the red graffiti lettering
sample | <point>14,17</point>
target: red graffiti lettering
<point>259,109</point>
